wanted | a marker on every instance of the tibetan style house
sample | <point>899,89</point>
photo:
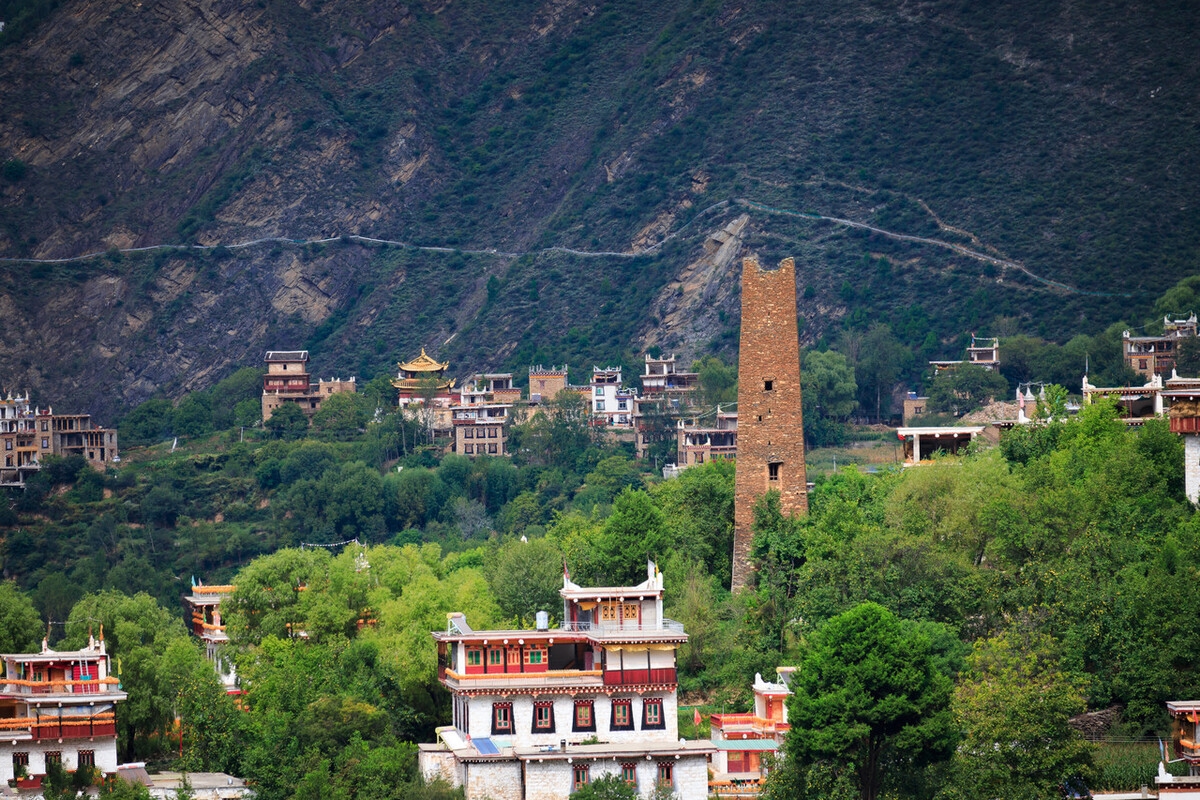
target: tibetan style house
<point>538,714</point>
<point>58,706</point>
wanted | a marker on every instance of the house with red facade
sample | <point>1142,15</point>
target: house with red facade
<point>540,713</point>
<point>744,740</point>
<point>58,706</point>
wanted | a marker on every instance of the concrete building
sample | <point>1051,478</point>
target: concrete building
<point>546,382</point>
<point>770,422</point>
<point>483,413</point>
<point>743,739</point>
<point>1136,403</point>
<point>667,393</point>
<point>914,406</point>
<point>540,713</point>
<point>58,706</point>
<point>1155,355</point>
<point>707,438</point>
<point>287,381</point>
<point>1185,740</point>
<point>920,444</point>
<point>983,352</point>
<point>28,434</point>
<point>612,402</point>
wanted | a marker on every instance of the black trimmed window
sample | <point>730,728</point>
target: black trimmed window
<point>579,777</point>
<point>20,759</point>
<point>652,714</point>
<point>502,718</point>
<point>87,758</point>
<point>543,717</point>
<point>773,470</point>
<point>768,385</point>
<point>54,757</point>
<point>622,715</point>
<point>585,716</point>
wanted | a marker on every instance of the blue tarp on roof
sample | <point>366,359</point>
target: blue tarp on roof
<point>745,744</point>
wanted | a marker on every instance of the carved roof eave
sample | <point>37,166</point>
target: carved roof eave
<point>417,384</point>
<point>424,363</point>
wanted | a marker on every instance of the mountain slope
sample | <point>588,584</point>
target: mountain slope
<point>1051,134</point>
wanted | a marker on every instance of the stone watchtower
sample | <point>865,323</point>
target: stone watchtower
<point>770,434</point>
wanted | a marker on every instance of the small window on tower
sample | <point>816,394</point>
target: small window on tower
<point>773,471</point>
<point>768,385</point>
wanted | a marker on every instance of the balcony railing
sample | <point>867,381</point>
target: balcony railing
<point>614,629</point>
<point>552,677</point>
<point>69,726</point>
<point>91,686</point>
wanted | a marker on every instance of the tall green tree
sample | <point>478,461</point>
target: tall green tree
<point>20,625</point>
<point>525,578</point>
<point>881,360</point>
<point>869,701</point>
<point>1013,705</point>
<point>139,633</point>
<point>964,388</point>
<point>828,397</point>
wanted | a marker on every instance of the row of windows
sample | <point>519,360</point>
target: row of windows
<point>584,717</point>
<point>470,449</point>
<point>469,433</point>
<point>495,656</point>
<point>8,443</point>
<point>87,758</point>
<point>581,774</point>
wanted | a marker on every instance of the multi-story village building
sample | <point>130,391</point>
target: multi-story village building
<point>612,403</point>
<point>424,391</point>
<point>545,383</point>
<point>667,393</point>
<point>707,438</point>
<point>983,352</point>
<point>540,713</point>
<point>743,739</point>
<point>484,411</point>
<point>1155,355</point>
<point>288,381</point>
<point>58,706</point>
<point>203,609</point>
<point>29,434</point>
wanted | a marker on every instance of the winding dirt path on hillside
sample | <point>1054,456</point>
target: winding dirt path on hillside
<point>739,201</point>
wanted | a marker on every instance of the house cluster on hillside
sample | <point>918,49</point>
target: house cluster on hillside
<point>473,418</point>
<point>30,434</point>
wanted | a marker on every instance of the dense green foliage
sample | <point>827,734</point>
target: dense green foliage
<point>987,127</point>
<point>1064,561</point>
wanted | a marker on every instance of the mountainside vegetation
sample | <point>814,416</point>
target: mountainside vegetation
<point>1053,138</point>
<point>980,600</point>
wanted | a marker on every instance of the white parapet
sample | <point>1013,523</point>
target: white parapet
<point>1191,467</point>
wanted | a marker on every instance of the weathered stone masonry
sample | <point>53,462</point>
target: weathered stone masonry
<point>770,445</point>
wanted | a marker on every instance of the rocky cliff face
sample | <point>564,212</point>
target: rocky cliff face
<point>1053,135</point>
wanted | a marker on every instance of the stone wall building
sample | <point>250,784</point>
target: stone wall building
<point>1155,355</point>
<point>28,434</point>
<point>770,434</point>
<point>288,381</point>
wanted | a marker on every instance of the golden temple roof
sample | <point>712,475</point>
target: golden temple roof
<point>424,363</point>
